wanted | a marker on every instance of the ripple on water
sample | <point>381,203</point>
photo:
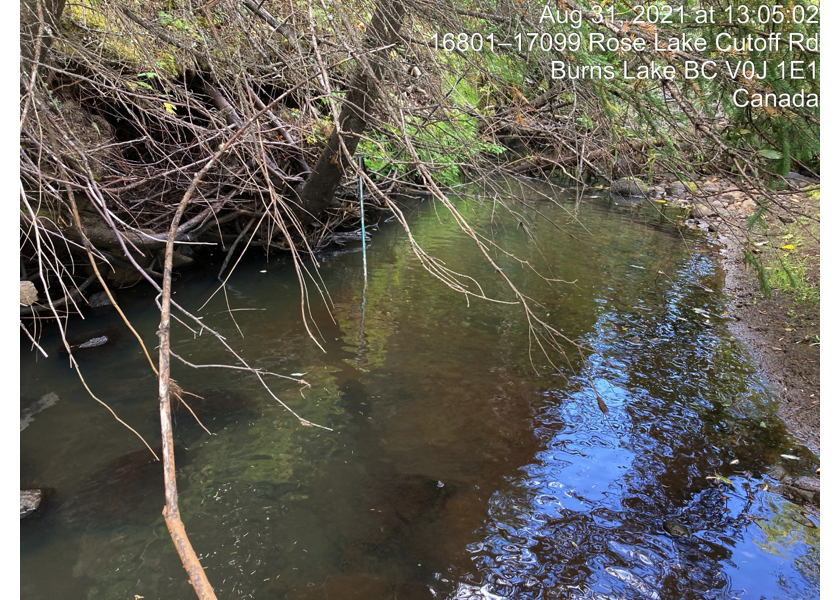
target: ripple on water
<point>452,471</point>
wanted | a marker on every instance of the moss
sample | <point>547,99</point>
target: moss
<point>89,18</point>
<point>629,186</point>
<point>117,39</point>
<point>85,13</point>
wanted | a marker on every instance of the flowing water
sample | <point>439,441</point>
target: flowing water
<point>463,463</point>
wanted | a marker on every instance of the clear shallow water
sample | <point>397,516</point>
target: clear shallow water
<point>454,470</point>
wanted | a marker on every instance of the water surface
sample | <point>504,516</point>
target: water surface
<point>463,462</point>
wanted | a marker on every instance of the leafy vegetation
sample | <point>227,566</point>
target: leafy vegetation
<point>787,268</point>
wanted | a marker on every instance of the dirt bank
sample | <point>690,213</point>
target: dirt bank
<point>782,331</point>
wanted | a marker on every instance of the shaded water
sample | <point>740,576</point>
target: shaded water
<point>454,470</point>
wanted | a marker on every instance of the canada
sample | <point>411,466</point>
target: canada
<point>742,98</point>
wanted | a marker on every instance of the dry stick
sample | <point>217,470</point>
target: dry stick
<point>69,296</point>
<point>300,159</point>
<point>47,228</point>
<point>305,304</point>
<point>684,104</point>
<point>521,298</point>
<point>227,258</point>
<point>233,120</point>
<point>290,37</point>
<point>34,342</point>
<point>171,513</point>
<point>444,274</point>
<point>303,382</point>
<point>223,287</point>
<point>122,242</point>
<point>278,25</point>
<point>179,169</point>
<point>431,263</point>
<point>78,221</point>
<point>73,362</point>
<point>97,200</point>
<point>258,373</point>
<point>178,391</point>
<point>101,279</point>
<point>76,217</point>
<point>233,246</point>
<point>36,56</point>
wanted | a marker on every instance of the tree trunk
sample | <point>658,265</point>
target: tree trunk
<point>319,190</point>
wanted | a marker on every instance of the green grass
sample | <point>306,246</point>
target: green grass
<point>786,269</point>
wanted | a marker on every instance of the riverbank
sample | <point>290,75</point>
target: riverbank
<point>782,331</point>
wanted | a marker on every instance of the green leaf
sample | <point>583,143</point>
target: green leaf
<point>721,478</point>
<point>770,153</point>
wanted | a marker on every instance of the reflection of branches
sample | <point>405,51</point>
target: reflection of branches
<point>202,134</point>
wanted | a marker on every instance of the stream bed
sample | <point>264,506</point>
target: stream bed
<point>462,462</point>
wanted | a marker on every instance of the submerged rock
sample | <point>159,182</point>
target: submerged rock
<point>99,300</point>
<point>800,490</point>
<point>90,340</point>
<point>350,236</point>
<point>94,342</point>
<point>30,501</point>
<point>629,186</point>
<point>621,200</point>
<point>44,402</point>
<point>676,529</point>
<point>126,489</point>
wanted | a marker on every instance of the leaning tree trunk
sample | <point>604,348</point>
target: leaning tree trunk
<point>319,190</point>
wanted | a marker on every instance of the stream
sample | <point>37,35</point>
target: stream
<point>463,462</point>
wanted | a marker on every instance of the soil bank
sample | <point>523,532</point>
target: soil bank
<point>781,332</point>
